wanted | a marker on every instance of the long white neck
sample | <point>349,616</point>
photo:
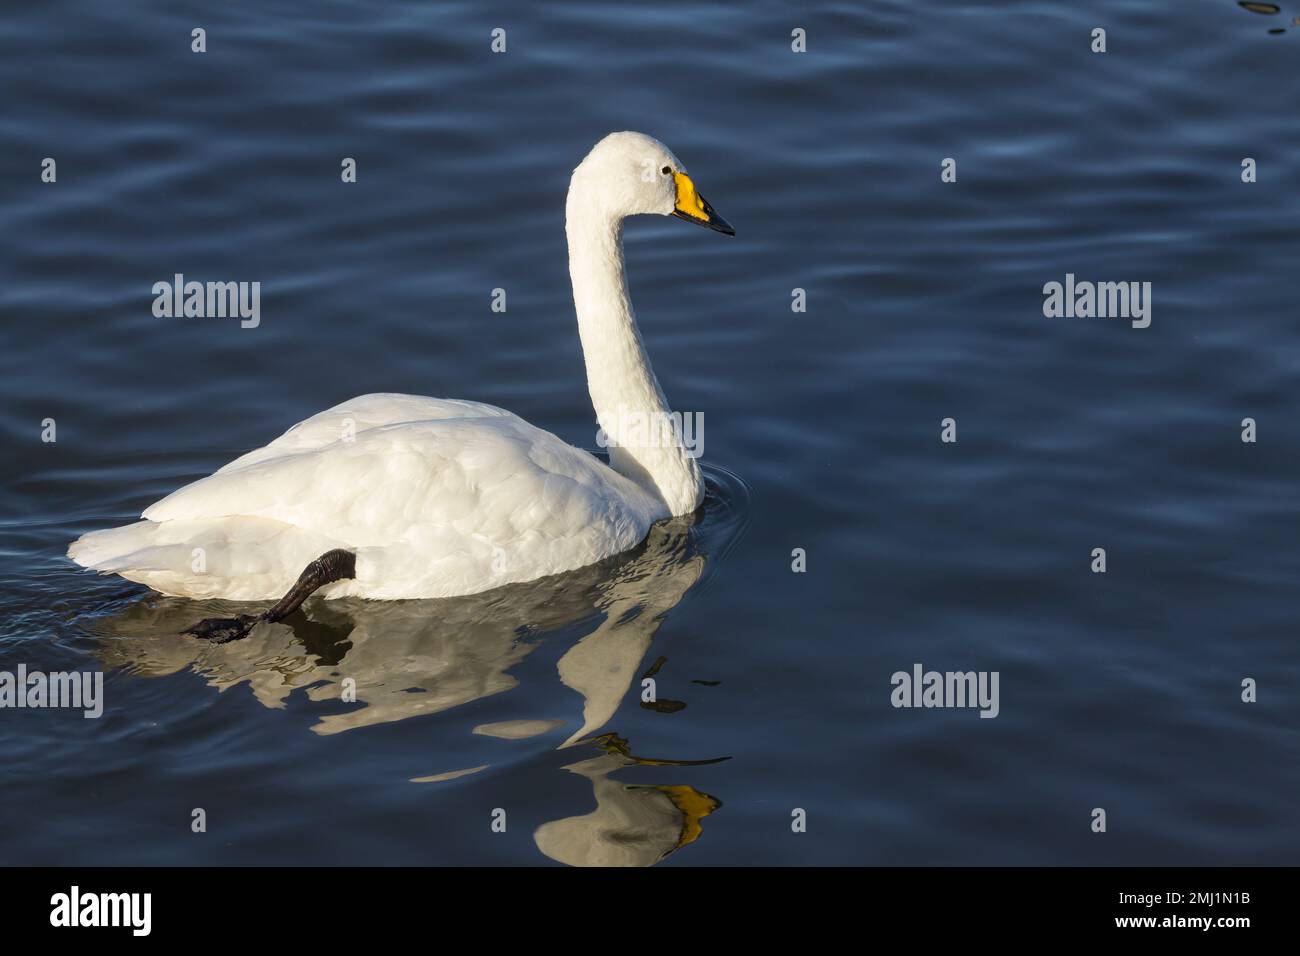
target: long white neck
<point>630,405</point>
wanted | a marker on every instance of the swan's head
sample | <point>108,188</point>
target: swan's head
<point>629,174</point>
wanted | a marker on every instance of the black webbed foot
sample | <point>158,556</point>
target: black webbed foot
<point>331,566</point>
<point>223,630</point>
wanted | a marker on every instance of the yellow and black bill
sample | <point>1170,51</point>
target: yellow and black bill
<point>693,207</point>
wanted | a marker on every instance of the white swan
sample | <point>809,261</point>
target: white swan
<point>399,496</point>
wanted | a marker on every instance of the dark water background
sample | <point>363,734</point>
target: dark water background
<point>1118,691</point>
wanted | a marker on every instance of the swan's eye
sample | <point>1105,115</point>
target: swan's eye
<point>667,170</point>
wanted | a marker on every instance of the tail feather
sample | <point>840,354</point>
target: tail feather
<point>114,548</point>
<point>238,558</point>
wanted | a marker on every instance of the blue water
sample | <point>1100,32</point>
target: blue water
<point>1119,691</point>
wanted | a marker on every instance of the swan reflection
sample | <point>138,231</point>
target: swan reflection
<point>411,658</point>
<point>631,825</point>
<point>404,659</point>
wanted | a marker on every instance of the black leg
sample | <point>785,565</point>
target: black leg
<point>331,566</point>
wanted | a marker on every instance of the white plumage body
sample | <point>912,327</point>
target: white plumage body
<point>437,498</point>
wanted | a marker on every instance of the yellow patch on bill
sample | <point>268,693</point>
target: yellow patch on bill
<point>688,200</point>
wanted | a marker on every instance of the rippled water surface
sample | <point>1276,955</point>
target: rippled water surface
<point>924,302</point>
